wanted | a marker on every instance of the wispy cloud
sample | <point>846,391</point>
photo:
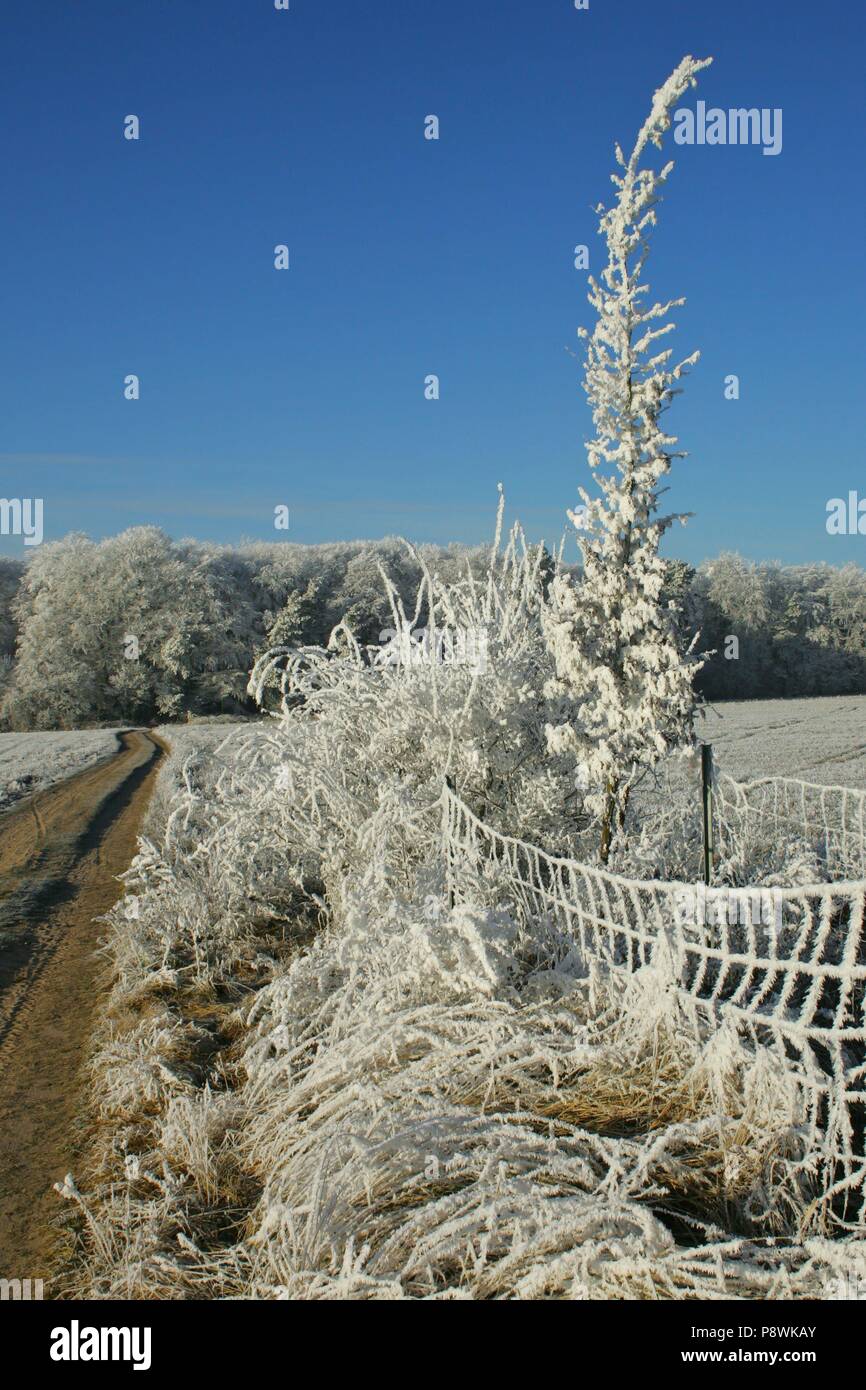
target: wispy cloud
<point>20,460</point>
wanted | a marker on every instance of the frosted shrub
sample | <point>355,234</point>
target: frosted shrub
<point>367,743</point>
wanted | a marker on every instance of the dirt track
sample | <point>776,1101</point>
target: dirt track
<point>60,852</point>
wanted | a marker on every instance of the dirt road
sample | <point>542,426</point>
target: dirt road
<point>60,852</point>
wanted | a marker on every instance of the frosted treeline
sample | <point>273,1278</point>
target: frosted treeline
<point>199,615</point>
<point>203,613</point>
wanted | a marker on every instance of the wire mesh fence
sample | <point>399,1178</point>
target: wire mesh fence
<point>831,821</point>
<point>788,969</point>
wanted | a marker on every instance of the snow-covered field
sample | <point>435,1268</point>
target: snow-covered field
<point>29,762</point>
<point>204,735</point>
<point>817,740</point>
<point>408,1000</point>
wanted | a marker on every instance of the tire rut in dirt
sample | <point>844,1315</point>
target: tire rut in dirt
<point>81,836</point>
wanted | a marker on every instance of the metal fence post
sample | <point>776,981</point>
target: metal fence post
<point>449,868</point>
<point>707,802</point>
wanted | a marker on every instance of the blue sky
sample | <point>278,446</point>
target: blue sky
<point>411,257</point>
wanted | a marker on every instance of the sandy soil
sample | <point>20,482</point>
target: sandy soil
<point>60,853</point>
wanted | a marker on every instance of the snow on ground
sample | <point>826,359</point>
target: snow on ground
<point>817,740</point>
<point>206,734</point>
<point>30,762</point>
<point>820,740</point>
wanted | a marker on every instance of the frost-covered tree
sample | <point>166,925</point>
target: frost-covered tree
<point>612,637</point>
<point>11,572</point>
<point>286,627</point>
<point>124,629</point>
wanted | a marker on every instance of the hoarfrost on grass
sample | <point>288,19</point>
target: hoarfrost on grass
<point>31,762</point>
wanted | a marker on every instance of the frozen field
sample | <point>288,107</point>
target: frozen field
<point>29,762</point>
<point>820,740</point>
<point>207,735</point>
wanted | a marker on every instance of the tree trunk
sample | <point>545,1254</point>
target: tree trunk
<point>610,803</point>
<point>615,808</point>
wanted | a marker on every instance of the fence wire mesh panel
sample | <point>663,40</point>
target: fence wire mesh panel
<point>830,821</point>
<point>792,980</point>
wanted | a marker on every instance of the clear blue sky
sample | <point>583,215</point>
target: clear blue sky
<point>411,257</point>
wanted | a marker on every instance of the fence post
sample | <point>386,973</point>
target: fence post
<point>449,870</point>
<point>707,801</point>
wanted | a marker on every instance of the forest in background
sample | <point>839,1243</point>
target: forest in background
<point>138,627</point>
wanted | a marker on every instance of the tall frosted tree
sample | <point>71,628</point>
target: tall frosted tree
<point>612,637</point>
